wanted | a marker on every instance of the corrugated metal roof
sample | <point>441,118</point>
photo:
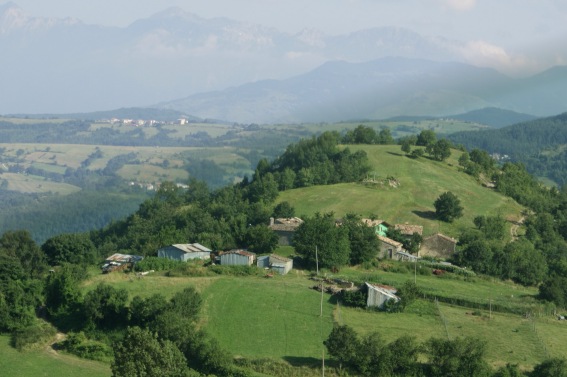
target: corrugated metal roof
<point>239,252</point>
<point>387,289</point>
<point>124,258</point>
<point>191,247</point>
<point>280,258</point>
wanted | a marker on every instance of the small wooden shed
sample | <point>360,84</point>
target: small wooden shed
<point>237,257</point>
<point>378,294</point>
<point>281,265</point>
<point>185,252</point>
<point>120,262</point>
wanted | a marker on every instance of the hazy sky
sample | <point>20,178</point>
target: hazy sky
<point>499,20</point>
<point>513,31</point>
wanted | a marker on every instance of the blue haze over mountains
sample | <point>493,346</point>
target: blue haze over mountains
<point>247,73</point>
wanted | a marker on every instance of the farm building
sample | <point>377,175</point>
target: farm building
<point>408,230</point>
<point>285,228</point>
<point>388,247</point>
<point>380,226</point>
<point>237,258</point>
<point>378,294</point>
<point>119,262</point>
<point>438,246</point>
<point>275,262</point>
<point>185,252</point>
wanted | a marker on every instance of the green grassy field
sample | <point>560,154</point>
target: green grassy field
<point>35,184</point>
<point>56,158</point>
<point>256,317</point>
<point>45,362</point>
<point>421,182</point>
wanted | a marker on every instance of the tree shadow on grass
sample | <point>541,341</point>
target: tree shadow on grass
<point>396,154</point>
<point>301,361</point>
<point>429,215</point>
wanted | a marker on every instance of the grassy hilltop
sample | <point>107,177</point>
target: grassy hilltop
<point>421,181</point>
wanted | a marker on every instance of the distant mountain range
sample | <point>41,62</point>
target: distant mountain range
<point>380,89</point>
<point>65,66</point>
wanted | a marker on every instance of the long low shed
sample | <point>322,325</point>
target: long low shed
<point>185,252</point>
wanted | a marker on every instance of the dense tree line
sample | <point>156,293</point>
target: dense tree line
<point>47,215</point>
<point>536,144</point>
<point>371,355</point>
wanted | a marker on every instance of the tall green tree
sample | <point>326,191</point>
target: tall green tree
<point>343,344</point>
<point>261,240</point>
<point>441,150</point>
<point>448,207</point>
<point>106,306</point>
<point>70,248</point>
<point>142,354</point>
<point>458,357</point>
<point>320,237</point>
<point>363,242</point>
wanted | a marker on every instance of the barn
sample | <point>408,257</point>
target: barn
<point>237,257</point>
<point>438,246</point>
<point>185,252</point>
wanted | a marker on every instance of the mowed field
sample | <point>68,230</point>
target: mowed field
<point>421,181</point>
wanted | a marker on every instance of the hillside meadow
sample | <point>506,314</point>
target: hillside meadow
<point>421,181</point>
<point>46,362</point>
<point>257,317</point>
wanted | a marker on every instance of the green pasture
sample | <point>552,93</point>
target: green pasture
<point>421,181</point>
<point>477,289</point>
<point>279,317</point>
<point>180,131</point>
<point>151,173</point>
<point>36,184</point>
<point>397,128</point>
<point>46,363</point>
<point>259,317</point>
<point>25,121</point>
<point>509,338</point>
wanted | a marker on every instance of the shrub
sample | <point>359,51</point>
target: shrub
<point>157,264</point>
<point>237,270</point>
<point>40,333</point>
<point>78,344</point>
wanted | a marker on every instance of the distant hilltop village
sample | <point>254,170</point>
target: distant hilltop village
<point>142,122</point>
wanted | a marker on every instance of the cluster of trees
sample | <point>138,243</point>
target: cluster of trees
<point>315,161</point>
<point>371,355</point>
<point>320,239</point>
<point>438,149</point>
<point>540,256</point>
<point>367,135</point>
<point>150,334</point>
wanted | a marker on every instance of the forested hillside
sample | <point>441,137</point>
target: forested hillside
<point>538,144</point>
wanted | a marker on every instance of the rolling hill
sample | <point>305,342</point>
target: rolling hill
<point>421,181</point>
